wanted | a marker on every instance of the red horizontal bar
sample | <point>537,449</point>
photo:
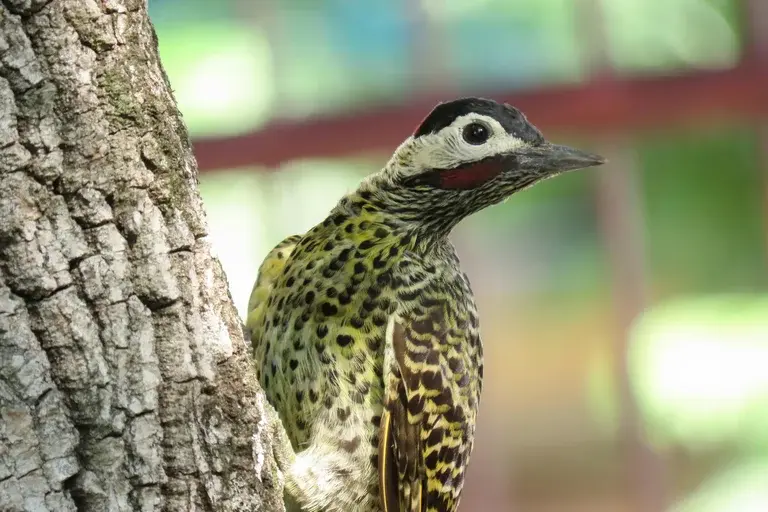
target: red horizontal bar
<point>599,107</point>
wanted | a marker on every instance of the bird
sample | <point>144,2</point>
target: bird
<point>364,330</point>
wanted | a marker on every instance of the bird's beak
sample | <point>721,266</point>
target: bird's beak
<point>553,158</point>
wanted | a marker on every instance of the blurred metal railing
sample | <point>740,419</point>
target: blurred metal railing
<point>624,105</point>
<point>599,106</point>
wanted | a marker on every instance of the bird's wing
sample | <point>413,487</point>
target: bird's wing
<point>271,268</point>
<point>425,435</point>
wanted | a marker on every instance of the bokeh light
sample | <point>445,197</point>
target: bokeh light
<point>699,370</point>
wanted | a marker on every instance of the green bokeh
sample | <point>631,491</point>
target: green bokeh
<point>703,195</point>
<point>221,73</point>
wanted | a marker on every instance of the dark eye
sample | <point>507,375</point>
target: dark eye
<point>476,133</point>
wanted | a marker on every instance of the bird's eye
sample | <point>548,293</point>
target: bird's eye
<point>476,133</point>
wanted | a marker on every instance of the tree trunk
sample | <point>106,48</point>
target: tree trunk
<point>124,379</point>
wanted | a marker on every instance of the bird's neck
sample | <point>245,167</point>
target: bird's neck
<point>404,211</point>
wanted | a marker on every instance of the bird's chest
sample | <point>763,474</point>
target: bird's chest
<point>326,329</point>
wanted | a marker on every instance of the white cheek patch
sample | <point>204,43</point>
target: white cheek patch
<point>448,149</point>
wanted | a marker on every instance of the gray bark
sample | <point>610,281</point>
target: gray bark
<point>124,379</point>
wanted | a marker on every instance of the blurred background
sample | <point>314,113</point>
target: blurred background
<point>624,308</point>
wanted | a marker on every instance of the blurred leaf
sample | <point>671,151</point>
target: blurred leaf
<point>220,72</point>
<point>657,35</point>
<point>698,369</point>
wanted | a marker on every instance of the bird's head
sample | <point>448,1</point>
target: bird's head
<point>468,154</point>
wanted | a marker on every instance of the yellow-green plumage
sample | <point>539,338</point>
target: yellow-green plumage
<point>269,271</point>
<point>364,330</point>
<point>319,343</point>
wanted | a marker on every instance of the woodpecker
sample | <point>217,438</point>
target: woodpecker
<point>364,330</point>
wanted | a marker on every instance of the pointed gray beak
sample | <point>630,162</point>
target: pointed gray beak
<point>553,158</point>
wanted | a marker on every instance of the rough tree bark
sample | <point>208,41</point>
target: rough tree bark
<point>124,378</point>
